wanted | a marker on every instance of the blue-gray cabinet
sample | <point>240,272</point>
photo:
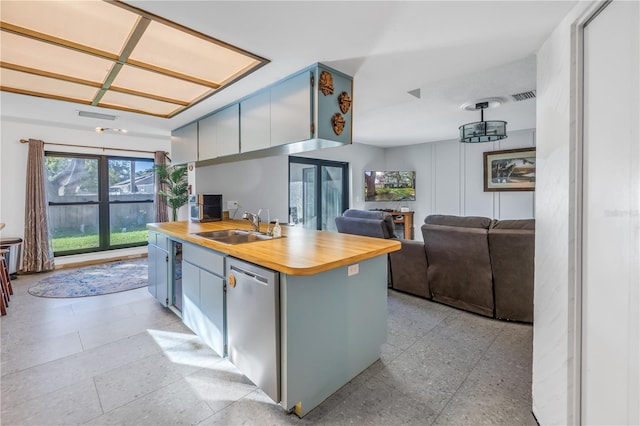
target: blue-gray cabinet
<point>228,130</point>
<point>158,282</point>
<point>311,105</point>
<point>292,110</point>
<point>208,138</point>
<point>184,144</point>
<point>203,303</point>
<point>255,122</point>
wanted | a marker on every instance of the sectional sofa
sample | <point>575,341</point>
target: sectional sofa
<point>472,263</point>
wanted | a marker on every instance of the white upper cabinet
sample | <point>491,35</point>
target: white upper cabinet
<point>208,138</point>
<point>184,144</point>
<point>291,110</point>
<point>228,130</point>
<point>255,122</point>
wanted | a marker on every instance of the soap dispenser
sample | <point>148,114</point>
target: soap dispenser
<point>277,231</point>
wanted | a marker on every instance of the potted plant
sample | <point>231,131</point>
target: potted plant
<point>174,179</point>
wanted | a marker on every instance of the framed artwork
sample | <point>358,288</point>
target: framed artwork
<point>510,170</point>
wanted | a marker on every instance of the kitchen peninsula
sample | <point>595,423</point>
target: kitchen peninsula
<point>330,299</point>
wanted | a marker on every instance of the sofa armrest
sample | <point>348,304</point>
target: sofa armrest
<point>409,269</point>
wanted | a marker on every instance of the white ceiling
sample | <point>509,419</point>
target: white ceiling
<point>453,51</point>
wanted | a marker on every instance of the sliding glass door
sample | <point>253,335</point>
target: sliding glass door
<point>318,192</point>
<point>98,202</point>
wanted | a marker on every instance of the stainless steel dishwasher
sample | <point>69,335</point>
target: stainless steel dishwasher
<point>253,323</point>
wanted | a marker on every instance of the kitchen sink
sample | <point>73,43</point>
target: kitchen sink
<point>234,236</point>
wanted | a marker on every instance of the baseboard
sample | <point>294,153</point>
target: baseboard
<point>99,261</point>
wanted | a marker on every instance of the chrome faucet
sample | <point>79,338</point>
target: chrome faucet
<point>254,218</point>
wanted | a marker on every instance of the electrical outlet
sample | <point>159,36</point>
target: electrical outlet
<point>353,269</point>
<point>232,205</point>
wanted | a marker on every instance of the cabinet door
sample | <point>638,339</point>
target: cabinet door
<point>208,138</point>
<point>152,259</point>
<point>291,110</point>
<point>158,273</point>
<point>212,311</point>
<point>255,122</point>
<point>190,296</point>
<point>184,144</point>
<point>162,277</point>
<point>228,123</point>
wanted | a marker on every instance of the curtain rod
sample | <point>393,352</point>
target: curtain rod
<point>94,147</point>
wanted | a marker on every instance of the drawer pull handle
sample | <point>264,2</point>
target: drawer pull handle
<point>232,281</point>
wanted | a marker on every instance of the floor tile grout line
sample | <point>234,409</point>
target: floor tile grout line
<point>468,374</point>
<point>144,394</point>
<point>75,354</point>
<point>95,385</point>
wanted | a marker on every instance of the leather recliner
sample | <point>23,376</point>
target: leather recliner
<point>512,249</point>
<point>370,223</point>
<point>459,272</point>
<point>408,266</point>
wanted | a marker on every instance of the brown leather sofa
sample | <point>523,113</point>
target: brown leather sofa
<point>459,271</point>
<point>472,263</point>
<point>511,245</point>
<point>408,269</point>
<point>408,266</point>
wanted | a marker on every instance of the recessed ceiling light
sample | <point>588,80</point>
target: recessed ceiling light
<point>110,129</point>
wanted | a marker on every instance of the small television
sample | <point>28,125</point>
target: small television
<point>389,186</point>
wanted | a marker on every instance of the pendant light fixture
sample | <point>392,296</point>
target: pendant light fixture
<point>482,131</point>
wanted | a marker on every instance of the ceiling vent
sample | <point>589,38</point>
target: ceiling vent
<point>90,114</point>
<point>524,96</point>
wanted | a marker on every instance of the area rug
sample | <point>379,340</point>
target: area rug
<point>106,278</point>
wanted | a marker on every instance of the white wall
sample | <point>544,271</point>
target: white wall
<point>263,183</point>
<point>13,160</point>
<point>554,343</point>
<point>450,179</point>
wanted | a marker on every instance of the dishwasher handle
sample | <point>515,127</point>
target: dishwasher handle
<point>252,275</point>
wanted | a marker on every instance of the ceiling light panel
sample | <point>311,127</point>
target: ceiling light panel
<point>54,88</point>
<point>126,101</point>
<point>172,49</point>
<point>49,58</point>
<point>111,54</point>
<point>92,23</point>
<point>140,80</point>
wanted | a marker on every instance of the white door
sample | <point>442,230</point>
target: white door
<point>611,219</point>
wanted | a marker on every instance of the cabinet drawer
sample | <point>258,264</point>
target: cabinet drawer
<point>204,258</point>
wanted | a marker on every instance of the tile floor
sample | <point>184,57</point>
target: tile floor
<point>123,359</point>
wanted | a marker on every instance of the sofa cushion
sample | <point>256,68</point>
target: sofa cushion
<point>462,221</point>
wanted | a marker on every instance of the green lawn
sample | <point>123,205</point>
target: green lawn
<point>62,244</point>
<point>394,194</point>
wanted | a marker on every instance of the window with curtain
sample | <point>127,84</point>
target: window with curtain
<point>98,202</point>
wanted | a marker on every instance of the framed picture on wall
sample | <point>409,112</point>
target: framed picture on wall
<point>510,170</point>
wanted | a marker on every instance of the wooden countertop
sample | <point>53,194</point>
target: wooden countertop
<point>300,252</point>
